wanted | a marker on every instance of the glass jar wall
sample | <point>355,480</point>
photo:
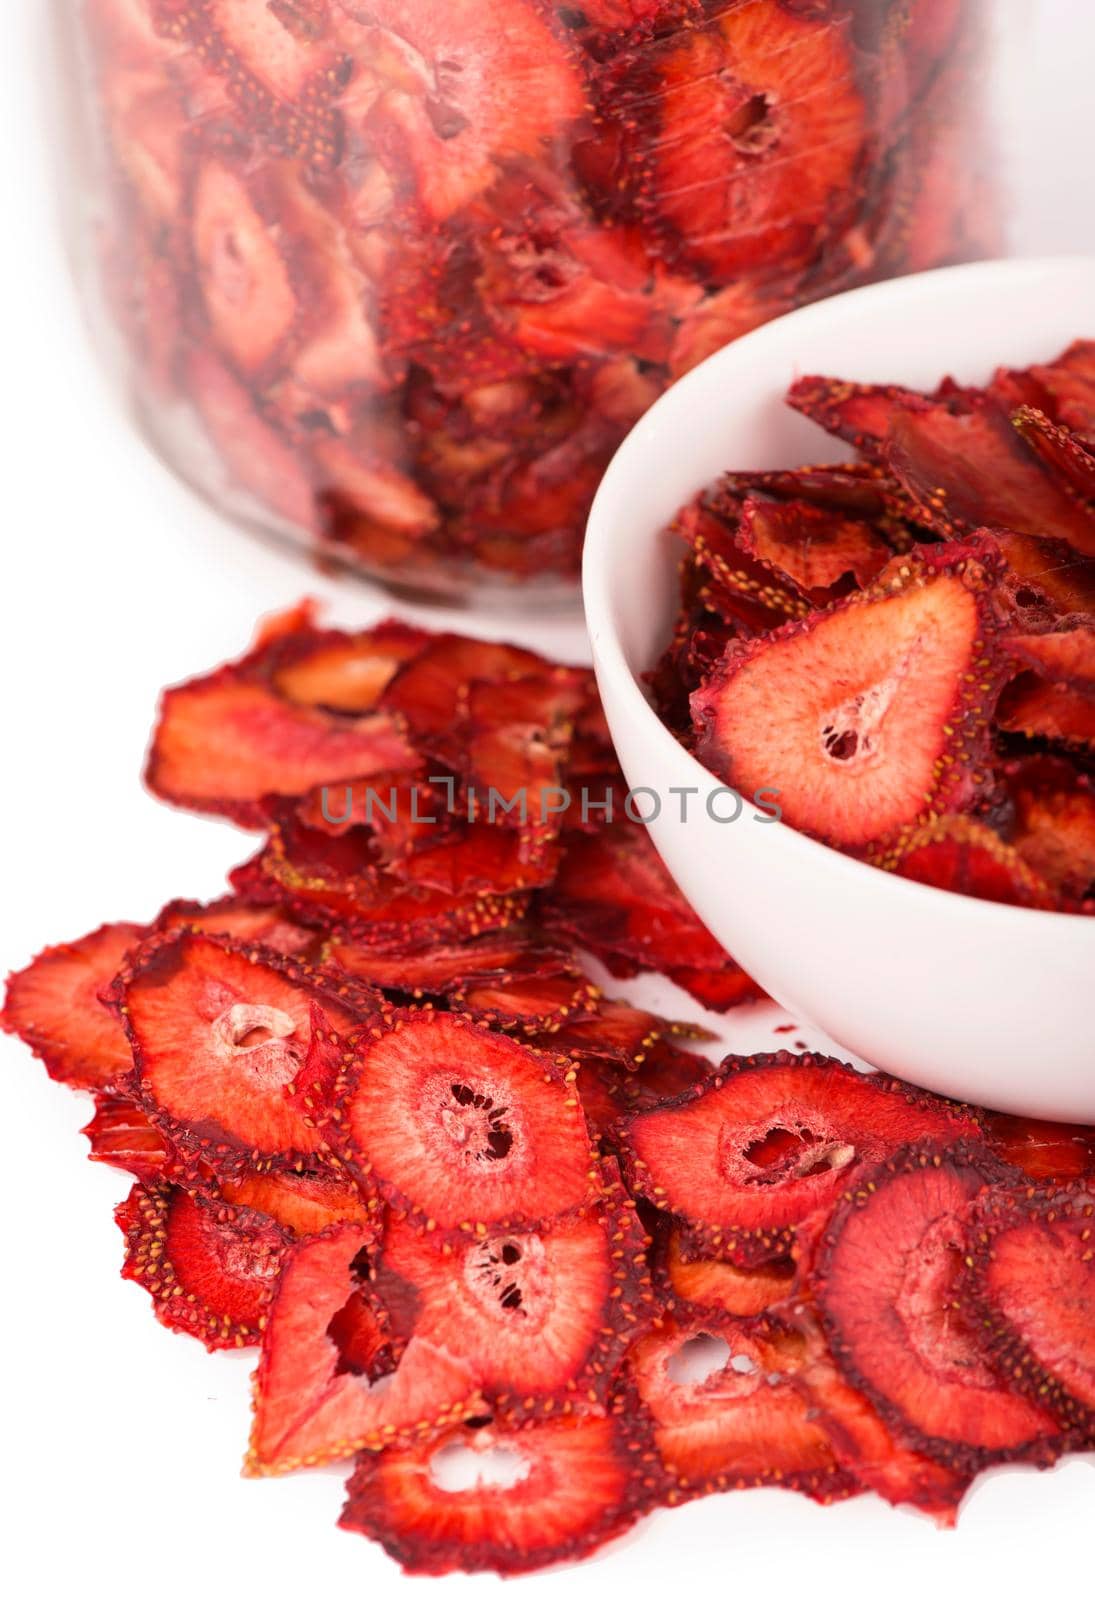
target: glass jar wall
<point>394,277</point>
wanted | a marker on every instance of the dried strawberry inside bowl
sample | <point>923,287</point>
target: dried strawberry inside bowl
<point>971,997</point>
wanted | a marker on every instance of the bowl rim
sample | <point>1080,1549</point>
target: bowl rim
<point>599,572</point>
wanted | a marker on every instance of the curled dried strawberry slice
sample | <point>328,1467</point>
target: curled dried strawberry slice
<point>540,1003</point>
<point>1058,1152</point>
<point>1031,1286</point>
<point>859,413</point>
<point>813,547</point>
<point>705,132</point>
<point>862,1443</point>
<point>228,741</point>
<point>1047,579</point>
<point>885,1281</point>
<point>122,1135</point>
<point>752,1155</point>
<point>543,1317</point>
<point>857,489</point>
<point>210,1268</point>
<point>227,1041</point>
<point>260,461</point>
<point>465,88</point>
<point>340,882</point>
<point>743,586</point>
<point>868,714</point>
<point>725,1412</point>
<point>427,692</point>
<point>302,1203</point>
<point>1070,384</point>
<point>267,925</point>
<point>310,1405</point>
<point>458,1126</point>
<point>54,1007</point>
<point>439,969</point>
<point>335,671</point>
<point>1032,706</point>
<point>1066,657</point>
<point>723,1287</point>
<point>1060,449</point>
<point>488,1498</point>
<point>614,896</point>
<point>965,856</point>
<point>1053,822</point>
<point>966,468</point>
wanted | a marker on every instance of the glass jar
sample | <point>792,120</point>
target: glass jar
<point>394,277</point>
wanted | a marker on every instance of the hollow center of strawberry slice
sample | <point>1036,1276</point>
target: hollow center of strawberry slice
<point>475,1124</point>
<point>927,1306</point>
<point>482,1463</point>
<point>778,1153</point>
<point>851,732</point>
<point>249,1258</point>
<point>753,128</point>
<point>261,1039</point>
<point>510,1278</point>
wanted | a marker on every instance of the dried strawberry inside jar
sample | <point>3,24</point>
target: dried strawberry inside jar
<point>396,276</point>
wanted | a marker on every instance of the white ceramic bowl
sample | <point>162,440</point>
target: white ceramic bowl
<point>989,1003</point>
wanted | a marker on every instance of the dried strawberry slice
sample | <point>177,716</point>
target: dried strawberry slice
<point>867,714</point>
<point>968,468</point>
<point>122,1135</point>
<point>443,967</point>
<point>1046,575</point>
<point>859,413</point>
<point>705,130</point>
<point>225,1037</point>
<point>754,1154</point>
<point>885,1281</point>
<point>228,741</point>
<point>737,573</point>
<point>540,1003</point>
<point>614,895</point>
<point>1041,710</point>
<point>861,1441</point>
<point>309,1406</point>
<point>965,856</point>
<point>518,734</point>
<point>1067,657</point>
<point>723,1287</point>
<point>550,1492</point>
<point>1032,1287</point>
<point>1053,822</point>
<point>856,489</point>
<point>1061,450</point>
<point>210,1268</point>
<point>813,547</point>
<point>459,1126</point>
<point>1058,1152</point>
<point>54,1007</point>
<point>259,460</point>
<point>543,1317</point>
<point>346,672</point>
<point>427,691</point>
<point>245,282</point>
<point>725,1412</point>
<point>1070,384</point>
<point>465,88</point>
<point>302,1203</point>
<point>252,924</point>
<point>339,881</point>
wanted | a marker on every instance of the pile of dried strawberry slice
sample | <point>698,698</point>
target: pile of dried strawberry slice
<point>418,265</point>
<point>532,1263</point>
<point>904,644</point>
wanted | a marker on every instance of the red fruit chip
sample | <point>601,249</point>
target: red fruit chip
<point>966,857</point>
<point>1041,710</point>
<point>1070,384</point>
<point>461,1127</point>
<point>1053,826</point>
<point>885,1282</point>
<point>302,1203</point>
<point>759,1152</point>
<point>122,1135</point>
<point>54,1007</point>
<point>1032,1282</point>
<point>228,741</point>
<point>490,1499</point>
<point>227,1041</point>
<point>725,1414</point>
<point>1063,452</point>
<point>813,547</point>
<point>1056,1152</point>
<point>867,714</point>
<point>1067,657</point>
<point>543,1317</point>
<point>210,1268</point>
<point>309,1407</point>
<point>723,1287</point>
<point>266,925</point>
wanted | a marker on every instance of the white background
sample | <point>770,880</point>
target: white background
<point>121,1444</point>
